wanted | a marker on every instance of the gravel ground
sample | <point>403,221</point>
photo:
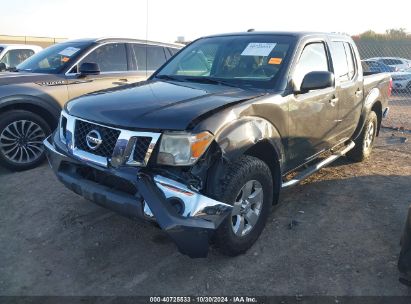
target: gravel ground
<point>400,112</point>
<point>336,234</point>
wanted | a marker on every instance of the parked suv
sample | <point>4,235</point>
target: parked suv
<point>31,97</point>
<point>12,55</point>
<point>204,146</point>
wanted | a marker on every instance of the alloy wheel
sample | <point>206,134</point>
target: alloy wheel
<point>22,141</point>
<point>369,136</point>
<point>247,208</point>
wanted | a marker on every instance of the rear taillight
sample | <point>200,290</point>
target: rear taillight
<point>390,88</point>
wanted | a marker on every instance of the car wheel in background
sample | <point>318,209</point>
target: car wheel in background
<point>21,139</point>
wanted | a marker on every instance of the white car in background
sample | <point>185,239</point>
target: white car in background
<point>401,80</point>
<point>400,64</point>
<point>14,54</point>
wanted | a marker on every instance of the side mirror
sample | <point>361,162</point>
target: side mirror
<point>89,68</point>
<point>3,66</point>
<point>317,80</point>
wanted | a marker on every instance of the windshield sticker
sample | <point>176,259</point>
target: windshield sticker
<point>275,60</point>
<point>258,49</point>
<point>69,51</point>
<point>65,59</point>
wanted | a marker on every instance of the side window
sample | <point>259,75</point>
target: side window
<point>110,57</point>
<point>340,63</point>
<point>155,57</point>
<point>139,52</point>
<point>173,51</point>
<point>14,57</point>
<point>168,53</point>
<point>343,60</point>
<point>313,59</point>
<point>350,60</point>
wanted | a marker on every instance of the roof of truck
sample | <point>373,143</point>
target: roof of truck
<point>115,39</point>
<point>283,33</point>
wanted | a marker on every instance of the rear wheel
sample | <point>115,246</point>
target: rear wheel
<point>21,139</point>
<point>365,141</point>
<point>248,186</point>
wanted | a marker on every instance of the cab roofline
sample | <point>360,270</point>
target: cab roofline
<point>295,34</point>
<point>129,40</point>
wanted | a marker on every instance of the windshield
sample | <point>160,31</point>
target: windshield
<point>54,58</point>
<point>253,60</point>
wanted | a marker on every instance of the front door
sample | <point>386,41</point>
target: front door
<point>312,115</point>
<point>112,60</point>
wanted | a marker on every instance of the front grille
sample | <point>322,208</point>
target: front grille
<point>141,147</point>
<point>109,138</point>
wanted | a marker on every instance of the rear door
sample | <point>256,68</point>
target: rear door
<point>114,67</point>
<point>313,114</point>
<point>349,85</point>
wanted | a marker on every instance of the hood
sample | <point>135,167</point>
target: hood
<point>27,77</point>
<point>156,105</point>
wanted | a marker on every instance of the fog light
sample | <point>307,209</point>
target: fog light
<point>177,203</point>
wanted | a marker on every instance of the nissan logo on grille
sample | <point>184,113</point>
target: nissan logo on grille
<point>93,139</point>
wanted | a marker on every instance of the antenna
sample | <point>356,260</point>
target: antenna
<point>146,33</point>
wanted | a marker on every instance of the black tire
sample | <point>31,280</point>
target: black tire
<point>246,169</point>
<point>24,132</point>
<point>363,145</point>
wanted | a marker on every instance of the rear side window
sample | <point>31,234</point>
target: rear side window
<point>148,57</point>
<point>14,57</point>
<point>139,52</point>
<point>110,57</point>
<point>170,52</point>
<point>173,51</point>
<point>155,57</point>
<point>350,60</point>
<point>343,61</point>
<point>313,59</point>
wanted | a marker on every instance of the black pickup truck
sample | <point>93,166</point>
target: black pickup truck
<point>204,146</point>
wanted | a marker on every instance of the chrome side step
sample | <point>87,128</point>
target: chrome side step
<point>314,168</point>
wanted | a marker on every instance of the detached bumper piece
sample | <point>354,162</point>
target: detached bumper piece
<point>188,217</point>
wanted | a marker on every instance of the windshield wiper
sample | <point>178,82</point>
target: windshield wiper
<point>213,81</point>
<point>169,77</point>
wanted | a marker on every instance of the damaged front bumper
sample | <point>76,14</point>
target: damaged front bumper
<point>187,216</point>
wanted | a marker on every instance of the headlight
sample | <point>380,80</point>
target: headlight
<point>182,149</point>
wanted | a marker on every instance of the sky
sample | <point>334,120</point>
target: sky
<point>168,19</point>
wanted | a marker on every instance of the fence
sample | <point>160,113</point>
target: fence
<point>41,41</point>
<point>393,57</point>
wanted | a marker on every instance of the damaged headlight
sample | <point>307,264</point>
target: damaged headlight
<point>182,149</point>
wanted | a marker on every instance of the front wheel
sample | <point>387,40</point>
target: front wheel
<point>365,141</point>
<point>248,186</point>
<point>21,139</point>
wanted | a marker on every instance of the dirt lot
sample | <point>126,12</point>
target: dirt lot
<point>400,111</point>
<point>344,239</point>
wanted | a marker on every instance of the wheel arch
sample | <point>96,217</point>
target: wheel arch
<point>48,110</point>
<point>371,103</point>
<point>254,136</point>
